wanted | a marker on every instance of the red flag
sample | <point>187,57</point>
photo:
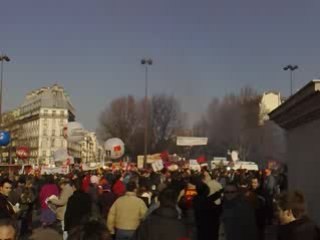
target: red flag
<point>165,156</point>
<point>201,159</point>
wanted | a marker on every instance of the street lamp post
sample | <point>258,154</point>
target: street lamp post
<point>3,58</point>
<point>146,63</point>
<point>291,69</point>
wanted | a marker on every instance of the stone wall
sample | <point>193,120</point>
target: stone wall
<point>304,164</point>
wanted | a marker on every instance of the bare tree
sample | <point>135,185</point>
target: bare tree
<point>165,120</point>
<point>232,123</point>
<point>122,119</point>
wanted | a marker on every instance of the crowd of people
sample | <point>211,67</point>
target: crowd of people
<point>146,205</point>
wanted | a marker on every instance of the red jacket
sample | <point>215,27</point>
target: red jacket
<point>86,183</point>
<point>119,188</point>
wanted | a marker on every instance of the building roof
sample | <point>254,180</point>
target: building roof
<point>300,108</point>
<point>51,97</point>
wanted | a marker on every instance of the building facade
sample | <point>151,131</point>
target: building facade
<point>43,115</point>
<point>300,117</point>
<point>38,124</point>
<point>11,123</point>
<point>269,102</point>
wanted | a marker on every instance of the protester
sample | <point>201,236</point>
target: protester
<point>295,224</point>
<point>93,191</point>
<point>256,198</point>
<point>48,216</point>
<point>15,195</point>
<point>207,213</point>
<point>105,200</point>
<point>26,201</point>
<point>90,230</point>
<point>61,202</point>
<point>126,214</point>
<point>238,217</point>
<point>269,186</point>
<point>163,223</point>
<point>8,229</point>
<point>7,210</point>
<point>118,187</point>
<point>78,207</point>
<point>186,204</point>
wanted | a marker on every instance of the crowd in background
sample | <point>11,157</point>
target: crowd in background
<point>144,205</point>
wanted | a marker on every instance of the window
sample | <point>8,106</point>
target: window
<point>53,132</point>
<point>53,112</point>
<point>44,143</point>
<point>44,132</point>
<point>62,113</point>
<point>44,153</point>
<point>52,142</point>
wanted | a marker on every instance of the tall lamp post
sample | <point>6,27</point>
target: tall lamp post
<point>291,69</point>
<point>3,58</point>
<point>146,62</point>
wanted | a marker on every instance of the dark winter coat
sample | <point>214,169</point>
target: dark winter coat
<point>78,208</point>
<point>162,224</point>
<point>6,209</point>
<point>105,201</point>
<point>207,216</point>
<point>302,229</point>
<point>238,220</point>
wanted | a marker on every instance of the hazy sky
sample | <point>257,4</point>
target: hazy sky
<point>200,48</point>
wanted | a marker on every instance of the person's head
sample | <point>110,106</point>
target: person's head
<point>76,184</point>
<point>203,189</point>
<point>49,179</point>
<point>6,187</point>
<point>168,197</point>
<point>21,182</point>
<point>267,172</point>
<point>291,206</point>
<point>255,183</point>
<point>29,183</point>
<point>94,180</point>
<point>131,187</point>
<point>231,191</point>
<point>117,175</point>
<point>7,229</point>
<point>243,183</point>
<point>91,230</point>
<point>64,182</point>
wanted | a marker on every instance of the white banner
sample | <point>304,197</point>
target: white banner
<point>194,165</point>
<point>55,170</point>
<point>157,165</point>
<point>150,158</point>
<point>86,167</point>
<point>192,141</point>
<point>140,163</point>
